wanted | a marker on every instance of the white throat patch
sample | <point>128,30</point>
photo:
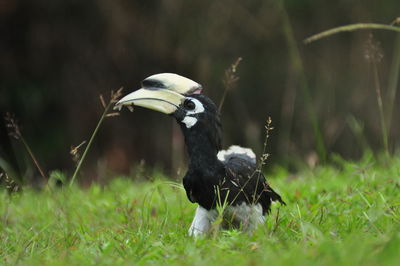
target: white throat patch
<point>189,121</point>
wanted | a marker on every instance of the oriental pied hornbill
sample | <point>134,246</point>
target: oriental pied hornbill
<point>214,176</point>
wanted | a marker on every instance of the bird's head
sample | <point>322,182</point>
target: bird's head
<point>179,97</point>
<point>174,95</point>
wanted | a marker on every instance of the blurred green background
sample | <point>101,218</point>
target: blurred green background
<point>56,57</point>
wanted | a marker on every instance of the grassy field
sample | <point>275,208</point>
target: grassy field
<point>343,215</point>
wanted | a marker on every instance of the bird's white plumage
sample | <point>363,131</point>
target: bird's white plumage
<point>244,216</point>
<point>189,121</point>
<point>235,150</point>
<point>202,221</point>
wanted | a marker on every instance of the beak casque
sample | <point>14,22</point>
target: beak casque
<point>161,92</point>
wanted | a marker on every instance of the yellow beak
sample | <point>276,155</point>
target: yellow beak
<point>161,100</point>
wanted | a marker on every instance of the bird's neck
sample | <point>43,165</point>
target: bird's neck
<point>201,156</point>
<point>202,150</point>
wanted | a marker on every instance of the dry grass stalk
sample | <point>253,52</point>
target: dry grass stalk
<point>353,27</point>
<point>264,156</point>
<point>14,131</point>
<point>113,99</point>
<point>229,80</point>
<point>373,55</point>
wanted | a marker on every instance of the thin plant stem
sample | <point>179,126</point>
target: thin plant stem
<point>229,80</point>
<point>393,82</point>
<point>277,222</point>
<point>35,161</point>
<point>351,27</point>
<point>113,99</point>
<point>78,167</point>
<point>380,106</point>
<point>264,156</point>
<point>221,103</point>
<point>16,133</point>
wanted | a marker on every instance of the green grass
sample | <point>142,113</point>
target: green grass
<point>343,215</point>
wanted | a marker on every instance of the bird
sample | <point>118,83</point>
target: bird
<point>216,179</point>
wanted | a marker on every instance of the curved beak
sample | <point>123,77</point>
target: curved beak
<point>161,100</point>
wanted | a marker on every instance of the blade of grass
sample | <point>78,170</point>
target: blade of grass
<point>357,128</point>
<point>380,107</point>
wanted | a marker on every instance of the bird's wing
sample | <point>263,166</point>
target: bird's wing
<point>245,183</point>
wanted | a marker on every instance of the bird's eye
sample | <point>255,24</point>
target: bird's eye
<point>189,105</point>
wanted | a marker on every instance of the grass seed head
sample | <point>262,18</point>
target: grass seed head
<point>230,77</point>
<point>12,126</point>
<point>103,103</point>
<point>10,184</point>
<point>395,22</point>
<point>373,51</point>
<point>75,151</point>
<point>116,95</point>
